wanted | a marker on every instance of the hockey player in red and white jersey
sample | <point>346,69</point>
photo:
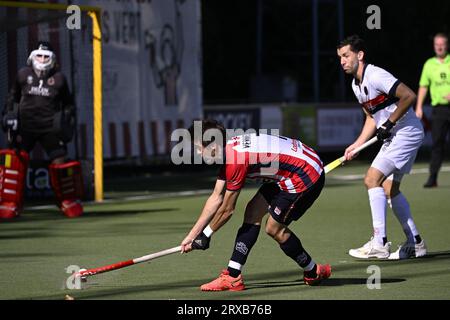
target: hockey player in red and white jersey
<point>386,102</point>
<point>294,177</point>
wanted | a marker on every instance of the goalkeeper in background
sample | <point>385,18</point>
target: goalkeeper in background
<point>39,108</point>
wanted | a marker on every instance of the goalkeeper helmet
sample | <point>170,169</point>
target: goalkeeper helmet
<point>43,58</point>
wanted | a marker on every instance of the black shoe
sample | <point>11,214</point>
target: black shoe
<point>430,184</point>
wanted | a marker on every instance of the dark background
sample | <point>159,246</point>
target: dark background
<point>230,32</point>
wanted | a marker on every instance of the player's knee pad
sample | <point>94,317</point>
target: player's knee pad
<point>13,170</point>
<point>67,183</point>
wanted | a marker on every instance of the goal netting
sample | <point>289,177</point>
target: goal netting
<point>22,25</point>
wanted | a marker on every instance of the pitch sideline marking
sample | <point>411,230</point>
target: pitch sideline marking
<point>135,198</point>
<point>349,177</point>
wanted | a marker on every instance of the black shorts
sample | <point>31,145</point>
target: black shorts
<point>286,207</point>
<point>51,142</point>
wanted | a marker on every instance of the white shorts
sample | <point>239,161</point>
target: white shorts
<point>397,154</point>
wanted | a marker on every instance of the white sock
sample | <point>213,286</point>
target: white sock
<point>234,265</point>
<point>377,199</point>
<point>401,209</point>
<point>310,266</point>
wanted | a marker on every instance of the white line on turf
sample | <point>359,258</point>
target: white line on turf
<point>135,198</point>
<point>351,177</point>
<point>348,177</point>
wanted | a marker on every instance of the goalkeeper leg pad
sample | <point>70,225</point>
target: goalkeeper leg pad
<point>13,169</point>
<point>67,183</point>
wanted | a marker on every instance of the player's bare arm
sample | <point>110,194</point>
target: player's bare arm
<point>226,210</point>
<point>406,98</point>
<point>209,210</point>
<point>367,132</point>
<point>420,100</point>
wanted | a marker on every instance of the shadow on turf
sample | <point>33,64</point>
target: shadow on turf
<point>106,213</point>
<point>437,254</point>
<point>106,289</point>
<point>109,291</point>
<point>431,256</point>
<point>28,255</point>
<point>332,282</point>
<point>28,235</point>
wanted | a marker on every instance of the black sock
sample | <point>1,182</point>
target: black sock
<point>418,239</point>
<point>293,248</point>
<point>245,239</point>
<point>312,273</point>
<point>234,272</point>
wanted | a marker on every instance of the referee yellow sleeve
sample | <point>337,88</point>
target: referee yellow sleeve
<point>424,78</point>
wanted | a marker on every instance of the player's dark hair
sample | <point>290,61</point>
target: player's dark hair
<point>208,124</point>
<point>356,44</point>
<point>45,45</point>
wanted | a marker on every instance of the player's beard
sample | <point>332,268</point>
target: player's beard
<point>355,67</point>
<point>209,160</point>
<point>213,155</point>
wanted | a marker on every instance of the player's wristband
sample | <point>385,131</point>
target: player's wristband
<point>208,231</point>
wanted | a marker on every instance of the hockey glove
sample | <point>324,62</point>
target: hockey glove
<point>10,122</point>
<point>384,131</point>
<point>201,242</point>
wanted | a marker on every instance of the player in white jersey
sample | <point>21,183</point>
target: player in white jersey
<point>387,104</point>
<point>297,178</point>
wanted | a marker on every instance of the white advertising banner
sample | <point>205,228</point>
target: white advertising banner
<point>151,69</point>
<point>151,74</point>
<point>338,127</point>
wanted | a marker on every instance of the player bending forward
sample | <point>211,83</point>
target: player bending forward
<point>386,102</point>
<point>297,178</point>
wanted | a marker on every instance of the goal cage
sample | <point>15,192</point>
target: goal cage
<point>75,34</point>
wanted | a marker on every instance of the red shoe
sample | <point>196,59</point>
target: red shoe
<point>224,282</point>
<point>323,272</point>
<point>8,210</point>
<point>71,208</point>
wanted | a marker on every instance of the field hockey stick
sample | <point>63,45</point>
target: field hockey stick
<point>336,163</point>
<point>83,273</point>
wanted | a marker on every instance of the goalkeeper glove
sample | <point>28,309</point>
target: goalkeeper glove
<point>10,122</point>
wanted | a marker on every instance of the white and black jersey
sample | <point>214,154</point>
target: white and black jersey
<point>376,94</point>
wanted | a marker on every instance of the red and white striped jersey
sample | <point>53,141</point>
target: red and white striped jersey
<point>293,165</point>
<point>376,94</point>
